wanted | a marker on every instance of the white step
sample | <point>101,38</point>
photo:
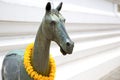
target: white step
<point>89,68</point>
<point>7,43</point>
<point>88,47</point>
<point>80,64</point>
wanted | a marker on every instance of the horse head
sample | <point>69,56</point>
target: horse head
<point>54,29</point>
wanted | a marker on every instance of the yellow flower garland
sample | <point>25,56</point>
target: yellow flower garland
<point>30,70</point>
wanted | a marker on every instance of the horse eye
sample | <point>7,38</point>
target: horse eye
<point>64,20</point>
<point>52,22</point>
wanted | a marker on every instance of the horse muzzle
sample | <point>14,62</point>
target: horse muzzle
<point>67,48</point>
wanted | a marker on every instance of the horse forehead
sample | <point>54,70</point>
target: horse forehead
<point>55,15</point>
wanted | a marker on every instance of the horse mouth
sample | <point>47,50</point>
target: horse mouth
<point>64,52</point>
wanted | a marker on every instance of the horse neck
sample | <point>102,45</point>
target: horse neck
<point>40,57</point>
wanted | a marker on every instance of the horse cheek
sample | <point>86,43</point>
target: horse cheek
<point>47,32</point>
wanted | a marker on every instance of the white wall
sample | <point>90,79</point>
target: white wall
<point>79,11</point>
<point>96,4</point>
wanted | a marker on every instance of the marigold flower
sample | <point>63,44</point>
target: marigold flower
<point>30,70</point>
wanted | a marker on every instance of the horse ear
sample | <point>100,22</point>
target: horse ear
<point>59,6</point>
<point>48,6</point>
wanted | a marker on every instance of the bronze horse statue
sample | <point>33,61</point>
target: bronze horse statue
<point>51,29</point>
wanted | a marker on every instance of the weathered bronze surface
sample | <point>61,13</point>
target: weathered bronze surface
<point>51,29</point>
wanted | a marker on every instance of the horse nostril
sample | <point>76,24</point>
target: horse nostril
<point>68,44</point>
